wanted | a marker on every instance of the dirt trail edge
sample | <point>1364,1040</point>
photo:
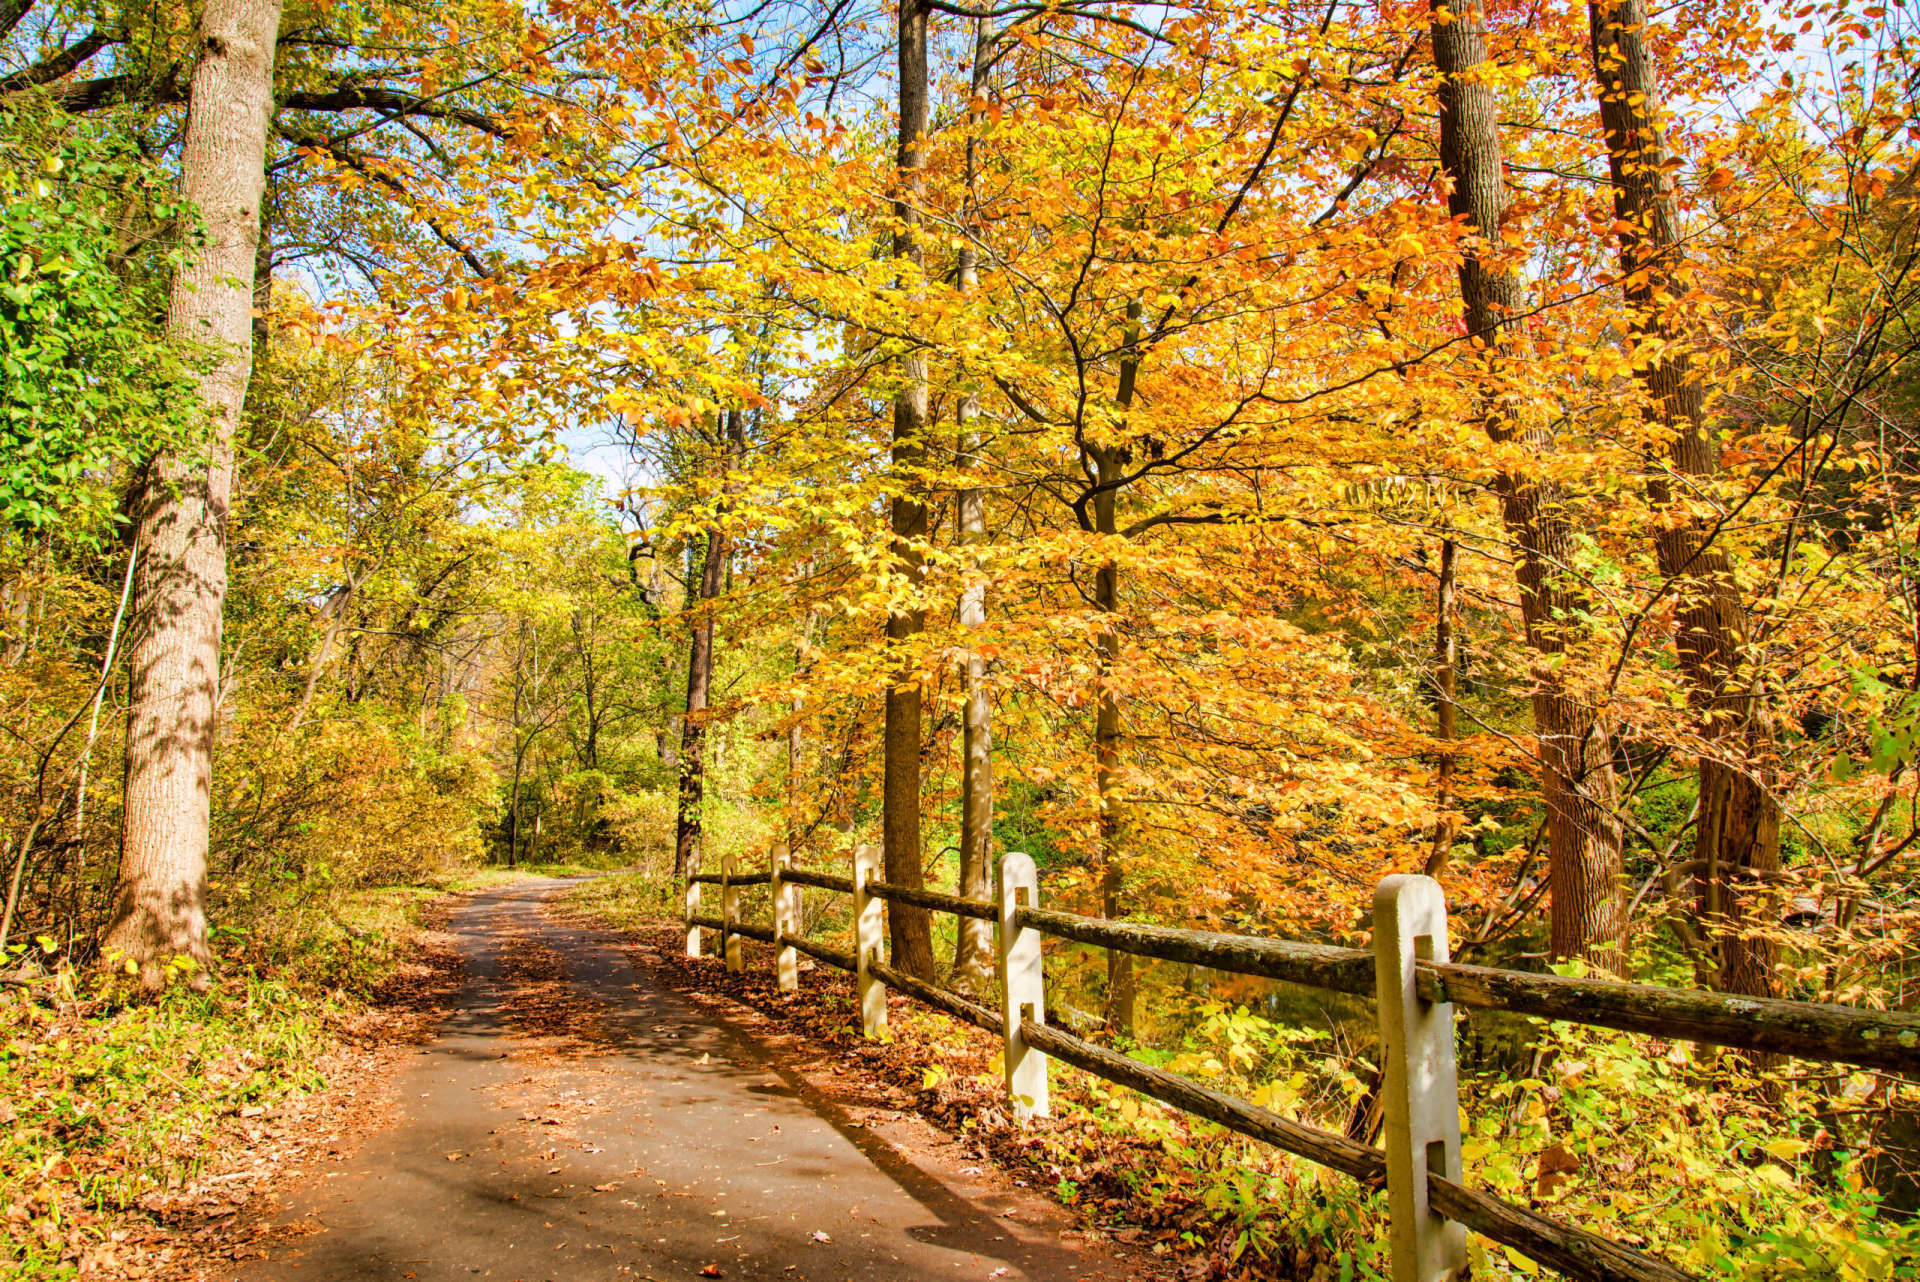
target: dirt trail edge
<point>572,1120</point>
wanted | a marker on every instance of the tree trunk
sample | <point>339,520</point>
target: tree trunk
<point>796,737</point>
<point>180,508</point>
<point>1577,780</point>
<point>693,730</point>
<point>1107,731</point>
<point>909,929</point>
<point>973,940</point>
<point>1444,690</point>
<point>1737,838</point>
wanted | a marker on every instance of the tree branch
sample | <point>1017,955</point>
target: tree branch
<point>54,66</point>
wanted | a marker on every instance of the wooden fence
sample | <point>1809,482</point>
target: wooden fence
<point>1415,988</point>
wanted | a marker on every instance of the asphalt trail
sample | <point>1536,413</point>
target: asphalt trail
<point>573,1121</point>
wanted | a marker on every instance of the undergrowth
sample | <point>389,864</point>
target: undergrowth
<point>1658,1145</point>
<point>110,1102</point>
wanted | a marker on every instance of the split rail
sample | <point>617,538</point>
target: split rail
<point>1408,974</point>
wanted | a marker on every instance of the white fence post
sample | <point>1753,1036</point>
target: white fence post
<point>786,921</point>
<point>1018,952</point>
<point>693,905</point>
<point>1422,1093</point>
<point>730,916</point>
<point>869,928</point>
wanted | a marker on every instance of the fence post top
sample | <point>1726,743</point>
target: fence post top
<point>1017,864</point>
<point>726,865</point>
<point>1408,887</point>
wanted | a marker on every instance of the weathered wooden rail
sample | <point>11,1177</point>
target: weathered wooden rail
<point>1408,975</point>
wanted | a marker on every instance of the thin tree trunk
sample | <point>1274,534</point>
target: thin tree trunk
<point>909,929</point>
<point>973,940</point>
<point>1585,868</point>
<point>513,809</point>
<point>181,507</point>
<point>1108,731</point>
<point>1737,839</point>
<point>336,611</point>
<point>796,738</point>
<point>1444,689</point>
<point>693,729</point>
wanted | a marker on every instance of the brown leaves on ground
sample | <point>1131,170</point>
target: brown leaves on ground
<point>554,1016</point>
<point>213,1209</point>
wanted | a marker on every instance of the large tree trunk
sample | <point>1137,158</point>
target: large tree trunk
<point>1737,837</point>
<point>1577,779</point>
<point>693,726</point>
<point>973,941</point>
<point>910,931</point>
<point>180,507</point>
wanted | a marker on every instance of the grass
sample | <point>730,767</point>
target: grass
<point>108,1105</point>
<point>627,900</point>
<point>487,876</point>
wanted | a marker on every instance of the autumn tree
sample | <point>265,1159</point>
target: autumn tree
<point>180,507</point>
<point>1736,847</point>
<point>908,927</point>
<point>1580,792</point>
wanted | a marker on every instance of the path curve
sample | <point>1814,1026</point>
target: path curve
<point>573,1120</point>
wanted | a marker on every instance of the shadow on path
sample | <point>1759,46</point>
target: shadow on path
<point>572,1120</point>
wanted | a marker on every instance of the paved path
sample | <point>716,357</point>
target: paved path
<point>574,1121</point>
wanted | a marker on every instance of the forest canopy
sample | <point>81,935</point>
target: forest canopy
<point>1232,453</point>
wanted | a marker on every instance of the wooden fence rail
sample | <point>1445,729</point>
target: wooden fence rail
<point>1888,1040</point>
<point>1413,984</point>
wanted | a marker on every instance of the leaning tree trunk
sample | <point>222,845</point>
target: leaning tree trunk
<point>973,940</point>
<point>180,507</point>
<point>1576,772</point>
<point>910,931</point>
<point>1737,836</point>
<point>693,726</point>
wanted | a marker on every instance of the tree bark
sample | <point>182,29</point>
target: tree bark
<point>1737,838</point>
<point>1577,780</point>
<point>693,729</point>
<point>973,942</point>
<point>180,508</point>
<point>909,930</point>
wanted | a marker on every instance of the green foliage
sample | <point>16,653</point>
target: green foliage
<point>1686,1156</point>
<point>88,381</point>
<point>109,1106</point>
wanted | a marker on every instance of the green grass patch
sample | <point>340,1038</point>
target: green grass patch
<point>107,1104</point>
<point>626,900</point>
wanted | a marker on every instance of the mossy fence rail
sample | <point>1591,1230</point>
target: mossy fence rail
<point>1415,988</point>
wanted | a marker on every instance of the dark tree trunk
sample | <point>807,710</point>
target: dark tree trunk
<point>1577,780</point>
<point>693,727</point>
<point>1108,731</point>
<point>909,929</point>
<point>1737,837</point>
<point>1447,713</point>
